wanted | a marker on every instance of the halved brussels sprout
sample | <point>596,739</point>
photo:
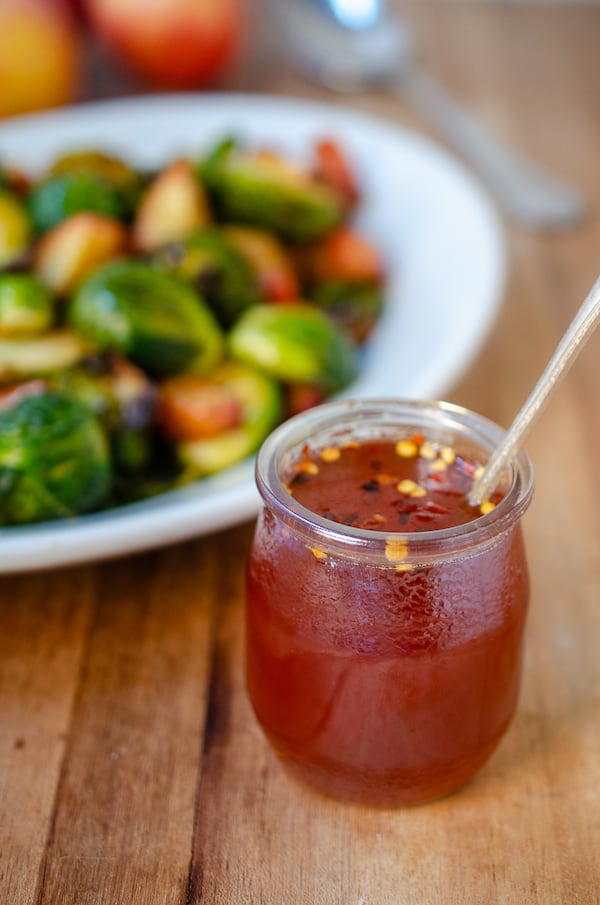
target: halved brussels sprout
<point>108,167</point>
<point>54,460</point>
<point>15,229</point>
<point>270,262</point>
<point>295,343</point>
<point>220,272</point>
<point>26,307</point>
<point>261,406</point>
<point>354,307</point>
<point>268,191</point>
<point>40,355</point>
<point>154,318</point>
<point>58,197</point>
<point>114,390</point>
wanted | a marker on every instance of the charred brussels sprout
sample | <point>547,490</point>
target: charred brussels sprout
<point>220,272</point>
<point>59,197</point>
<point>154,318</point>
<point>15,229</point>
<point>267,191</point>
<point>113,170</point>
<point>114,390</point>
<point>355,307</point>
<point>295,343</point>
<point>260,403</point>
<point>26,307</point>
<point>54,460</point>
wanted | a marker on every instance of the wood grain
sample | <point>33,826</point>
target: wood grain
<point>131,766</point>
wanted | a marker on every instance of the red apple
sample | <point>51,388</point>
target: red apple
<point>174,43</point>
<point>39,55</point>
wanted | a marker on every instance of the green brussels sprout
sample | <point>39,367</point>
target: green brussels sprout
<point>155,319</point>
<point>36,356</point>
<point>355,307</point>
<point>113,170</point>
<point>15,229</point>
<point>113,389</point>
<point>261,403</point>
<point>295,343</point>
<point>54,460</point>
<point>219,271</point>
<point>26,306</point>
<point>58,197</point>
<point>131,450</point>
<point>268,192</point>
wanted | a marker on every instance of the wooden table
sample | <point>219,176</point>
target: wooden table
<point>132,771</point>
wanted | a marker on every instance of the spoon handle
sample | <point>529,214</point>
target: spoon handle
<point>523,189</point>
<point>579,330</point>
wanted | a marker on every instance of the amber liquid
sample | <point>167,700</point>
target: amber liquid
<point>381,686</point>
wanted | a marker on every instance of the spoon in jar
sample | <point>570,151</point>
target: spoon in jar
<point>349,44</point>
<point>573,341</point>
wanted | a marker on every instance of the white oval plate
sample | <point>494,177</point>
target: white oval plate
<point>438,230</point>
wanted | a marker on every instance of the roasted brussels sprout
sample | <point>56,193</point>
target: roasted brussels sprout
<point>58,197</point>
<point>111,169</point>
<point>270,262</point>
<point>15,229</point>
<point>54,460</point>
<point>260,409</point>
<point>114,390</point>
<point>122,398</point>
<point>354,307</point>
<point>154,318</point>
<point>26,307</point>
<point>269,192</point>
<point>40,355</point>
<point>219,271</point>
<point>295,343</point>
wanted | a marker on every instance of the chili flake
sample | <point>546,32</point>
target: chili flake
<point>447,455</point>
<point>307,467</point>
<point>406,449</point>
<point>407,486</point>
<point>330,454</point>
<point>396,549</point>
<point>427,451</point>
<point>438,465</point>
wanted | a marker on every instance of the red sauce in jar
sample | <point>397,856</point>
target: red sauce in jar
<point>384,684</point>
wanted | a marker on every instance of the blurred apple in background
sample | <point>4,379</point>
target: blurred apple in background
<point>39,55</point>
<point>173,43</point>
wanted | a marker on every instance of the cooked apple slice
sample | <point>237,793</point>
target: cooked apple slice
<point>21,359</point>
<point>173,206</point>
<point>76,247</point>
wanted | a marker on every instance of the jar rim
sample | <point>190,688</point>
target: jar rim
<point>424,546</point>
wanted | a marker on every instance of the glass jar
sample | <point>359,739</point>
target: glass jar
<point>374,684</point>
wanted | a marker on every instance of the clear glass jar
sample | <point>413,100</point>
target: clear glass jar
<point>374,684</point>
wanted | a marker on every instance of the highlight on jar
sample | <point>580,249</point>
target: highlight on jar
<point>385,611</point>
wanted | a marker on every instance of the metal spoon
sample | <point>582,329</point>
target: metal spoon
<point>349,44</point>
<point>573,341</point>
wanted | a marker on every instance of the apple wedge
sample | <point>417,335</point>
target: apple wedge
<point>173,206</point>
<point>76,247</point>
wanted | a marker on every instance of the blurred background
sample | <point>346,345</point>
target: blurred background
<point>54,52</point>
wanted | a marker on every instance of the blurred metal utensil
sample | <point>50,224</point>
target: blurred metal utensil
<point>350,44</point>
